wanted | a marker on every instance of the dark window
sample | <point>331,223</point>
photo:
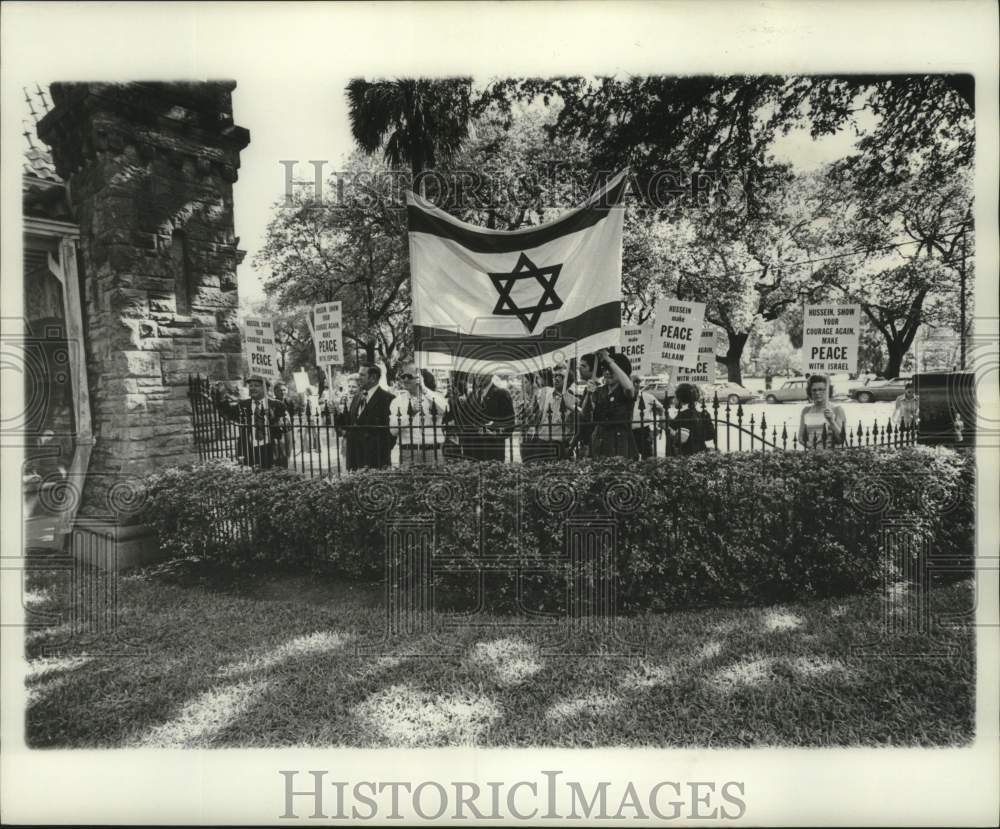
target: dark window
<point>182,272</point>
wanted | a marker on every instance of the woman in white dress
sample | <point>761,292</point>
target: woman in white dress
<point>820,415</point>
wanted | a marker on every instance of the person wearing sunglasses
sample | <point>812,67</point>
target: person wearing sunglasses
<point>417,416</point>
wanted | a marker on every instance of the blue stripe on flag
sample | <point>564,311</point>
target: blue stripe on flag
<point>553,338</point>
<point>423,221</point>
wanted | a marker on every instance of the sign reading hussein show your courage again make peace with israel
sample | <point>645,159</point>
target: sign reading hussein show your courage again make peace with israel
<point>830,338</point>
<point>259,349</point>
<point>676,335</point>
<point>328,335</point>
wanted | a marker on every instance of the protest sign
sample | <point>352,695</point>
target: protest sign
<point>327,334</point>
<point>704,371</point>
<point>830,338</point>
<point>301,379</point>
<point>259,349</point>
<point>676,335</point>
<point>634,344</point>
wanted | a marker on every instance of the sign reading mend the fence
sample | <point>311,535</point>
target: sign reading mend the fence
<point>830,337</point>
<point>634,344</point>
<point>704,371</point>
<point>259,349</point>
<point>676,335</point>
<point>328,335</point>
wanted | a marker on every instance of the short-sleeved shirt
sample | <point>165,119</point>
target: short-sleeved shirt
<point>425,427</point>
<point>553,417</point>
<point>613,406</point>
<point>612,436</point>
<point>650,404</point>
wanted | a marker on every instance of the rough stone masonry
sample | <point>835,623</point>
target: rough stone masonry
<point>150,169</point>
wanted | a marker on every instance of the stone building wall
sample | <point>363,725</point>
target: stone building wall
<point>150,169</point>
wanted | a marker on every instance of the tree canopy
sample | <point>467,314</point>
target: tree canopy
<point>354,251</point>
<point>713,216</point>
<point>413,121</point>
<point>686,124</point>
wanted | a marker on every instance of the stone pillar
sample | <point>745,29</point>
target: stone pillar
<point>150,169</point>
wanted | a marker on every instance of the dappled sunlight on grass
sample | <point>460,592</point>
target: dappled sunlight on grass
<point>47,675</point>
<point>723,628</point>
<point>374,667</point>
<point>401,716</point>
<point>592,705</point>
<point>51,636</point>
<point>646,675</point>
<point>258,665</point>
<point>307,645</point>
<point>32,597</point>
<point>745,673</point>
<point>41,669</point>
<point>812,666</point>
<point>777,619</point>
<point>510,661</point>
<point>709,650</point>
<point>203,717</point>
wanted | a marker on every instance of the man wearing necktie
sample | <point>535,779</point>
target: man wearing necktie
<point>490,420</point>
<point>365,424</point>
<point>261,424</point>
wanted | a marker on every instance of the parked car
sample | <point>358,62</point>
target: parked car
<point>794,389</point>
<point>731,393</point>
<point>660,389</point>
<point>728,392</point>
<point>879,390</point>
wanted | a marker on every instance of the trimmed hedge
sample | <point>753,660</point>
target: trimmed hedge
<point>711,528</point>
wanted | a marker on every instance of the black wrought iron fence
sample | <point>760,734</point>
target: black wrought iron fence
<point>319,438</point>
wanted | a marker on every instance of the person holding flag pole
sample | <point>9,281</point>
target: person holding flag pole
<point>612,407</point>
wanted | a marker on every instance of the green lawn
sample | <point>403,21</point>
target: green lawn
<point>276,664</point>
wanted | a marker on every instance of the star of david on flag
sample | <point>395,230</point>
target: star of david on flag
<point>485,300</point>
<point>526,269</point>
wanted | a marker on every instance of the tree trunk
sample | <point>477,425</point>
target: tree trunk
<point>734,356</point>
<point>897,350</point>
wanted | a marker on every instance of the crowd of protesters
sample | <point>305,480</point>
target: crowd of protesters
<point>593,407</point>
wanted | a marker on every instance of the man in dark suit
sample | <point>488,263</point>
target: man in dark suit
<point>494,416</point>
<point>365,424</point>
<point>262,425</point>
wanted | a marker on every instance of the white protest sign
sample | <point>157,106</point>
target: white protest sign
<point>328,336</point>
<point>704,371</point>
<point>301,379</point>
<point>676,335</point>
<point>634,344</point>
<point>259,349</point>
<point>830,338</point>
